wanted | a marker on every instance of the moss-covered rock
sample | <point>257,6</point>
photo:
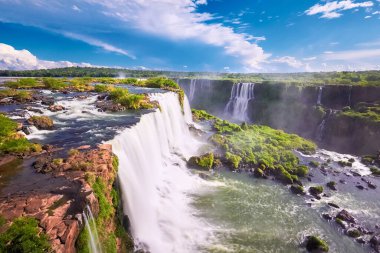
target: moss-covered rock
<point>332,185</point>
<point>316,190</point>
<point>314,164</point>
<point>41,122</point>
<point>316,245</point>
<point>297,189</point>
<point>375,171</point>
<point>205,161</point>
<point>353,232</point>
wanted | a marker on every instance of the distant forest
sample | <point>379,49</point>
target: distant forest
<point>364,78</point>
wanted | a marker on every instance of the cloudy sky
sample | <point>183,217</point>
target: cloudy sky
<point>191,35</point>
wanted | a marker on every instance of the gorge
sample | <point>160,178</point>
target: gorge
<point>123,180</point>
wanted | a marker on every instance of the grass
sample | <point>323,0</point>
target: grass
<point>130,101</point>
<point>260,147</point>
<point>18,95</point>
<point>24,236</point>
<point>11,141</point>
<point>369,112</point>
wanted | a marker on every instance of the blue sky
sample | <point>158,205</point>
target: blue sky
<point>191,35</point>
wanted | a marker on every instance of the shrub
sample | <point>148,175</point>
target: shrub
<point>24,236</point>
<point>233,159</point>
<point>161,82</point>
<point>301,170</point>
<point>54,83</point>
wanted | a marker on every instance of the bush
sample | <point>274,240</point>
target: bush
<point>301,170</point>
<point>161,82</point>
<point>233,159</point>
<point>24,236</point>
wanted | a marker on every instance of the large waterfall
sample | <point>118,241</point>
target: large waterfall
<point>155,182</point>
<point>237,106</point>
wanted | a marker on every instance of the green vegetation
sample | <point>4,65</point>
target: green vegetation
<point>375,171</point>
<point>130,101</point>
<point>205,161</point>
<point>24,83</point>
<point>316,190</point>
<point>108,225</point>
<point>331,185</point>
<point>18,95</point>
<point>41,122</point>
<point>363,78</point>
<point>297,189</point>
<point>102,88</point>
<point>24,236</point>
<point>259,147</point>
<point>314,164</point>
<point>345,163</point>
<point>161,82</point>
<point>354,233</point>
<point>11,141</point>
<point>315,244</point>
<point>369,112</point>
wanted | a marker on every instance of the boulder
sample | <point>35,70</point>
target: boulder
<point>316,245</point>
<point>297,189</point>
<point>56,108</point>
<point>346,216</point>
<point>41,122</point>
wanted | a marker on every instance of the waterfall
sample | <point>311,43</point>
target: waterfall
<point>322,126</point>
<point>237,106</point>
<point>155,183</point>
<point>349,96</point>
<point>200,85</point>
<point>319,99</point>
<point>90,225</point>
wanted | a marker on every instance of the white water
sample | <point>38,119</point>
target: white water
<point>93,243</point>
<point>156,186</point>
<point>319,99</point>
<point>201,84</point>
<point>237,106</point>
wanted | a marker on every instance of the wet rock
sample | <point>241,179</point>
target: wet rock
<point>316,190</point>
<point>360,187</point>
<point>316,245</point>
<point>342,181</point>
<point>346,216</point>
<point>297,189</point>
<point>204,176</point>
<point>332,185</point>
<point>355,173</point>
<point>56,108</point>
<point>353,232</point>
<point>81,97</point>
<point>32,109</point>
<point>371,185</point>
<point>375,242</point>
<point>47,100</point>
<point>333,205</point>
<point>360,240</point>
<point>26,130</point>
<point>327,216</point>
<point>41,122</point>
<point>19,126</point>
<point>6,101</point>
<point>108,105</point>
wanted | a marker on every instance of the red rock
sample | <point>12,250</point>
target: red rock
<point>84,147</point>
<point>105,147</point>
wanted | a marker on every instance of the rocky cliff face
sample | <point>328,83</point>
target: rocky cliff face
<point>312,112</point>
<point>58,197</point>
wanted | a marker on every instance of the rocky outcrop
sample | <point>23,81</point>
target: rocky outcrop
<point>41,122</point>
<point>61,196</point>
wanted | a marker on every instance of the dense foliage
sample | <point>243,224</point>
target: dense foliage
<point>130,101</point>
<point>369,112</point>
<point>316,78</point>
<point>24,236</point>
<point>260,147</point>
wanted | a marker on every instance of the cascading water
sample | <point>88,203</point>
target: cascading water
<point>90,225</point>
<point>155,183</point>
<point>319,99</point>
<point>203,85</point>
<point>322,126</point>
<point>237,106</point>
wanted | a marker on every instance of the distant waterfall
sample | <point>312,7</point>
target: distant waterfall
<point>322,126</point>
<point>198,84</point>
<point>90,225</point>
<point>319,99</point>
<point>155,183</point>
<point>237,106</point>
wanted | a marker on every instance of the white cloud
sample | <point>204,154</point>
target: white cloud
<point>178,20</point>
<point>76,8</point>
<point>310,58</point>
<point>366,17</point>
<point>98,43</point>
<point>333,9</point>
<point>289,60</point>
<point>13,59</point>
<point>353,54</point>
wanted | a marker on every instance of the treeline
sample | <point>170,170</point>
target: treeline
<point>365,78</point>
